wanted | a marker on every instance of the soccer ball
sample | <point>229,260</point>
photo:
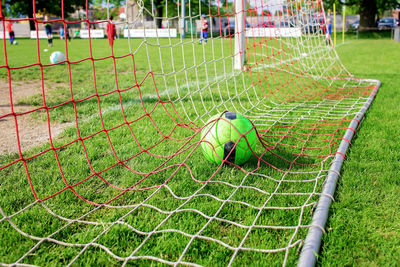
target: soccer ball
<point>222,133</point>
<point>57,57</point>
<point>15,42</point>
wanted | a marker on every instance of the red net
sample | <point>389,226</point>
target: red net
<point>101,158</point>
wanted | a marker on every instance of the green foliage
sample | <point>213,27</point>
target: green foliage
<point>328,5</point>
<point>25,7</point>
<point>172,8</point>
<point>101,13</point>
<point>100,8</point>
<point>112,3</point>
<point>368,9</point>
<point>382,5</point>
<point>386,5</point>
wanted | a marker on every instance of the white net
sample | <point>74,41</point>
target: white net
<point>126,183</point>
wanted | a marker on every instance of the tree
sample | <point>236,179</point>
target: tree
<point>369,10</point>
<point>101,13</point>
<point>19,8</point>
<point>160,8</point>
<point>100,8</point>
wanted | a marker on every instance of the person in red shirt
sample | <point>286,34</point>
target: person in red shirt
<point>204,29</point>
<point>111,32</point>
<point>10,32</point>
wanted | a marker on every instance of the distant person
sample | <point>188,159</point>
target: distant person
<point>328,31</point>
<point>76,33</point>
<point>67,34</point>
<point>111,32</point>
<point>10,32</point>
<point>204,29</point>
<point>49,33</point>
<point>62,35</point>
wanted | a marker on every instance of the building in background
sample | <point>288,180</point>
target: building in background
<point>80,14</point>
<point>396,13</point>
<point>132,11</point>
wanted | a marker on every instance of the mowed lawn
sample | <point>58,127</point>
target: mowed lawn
<point>364,225</point>
<point>366,200</point>
<point>103,158</point>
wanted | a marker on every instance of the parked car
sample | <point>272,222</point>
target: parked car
<point>354,26</point>
<point>387,23</point>
<point>230,29</point>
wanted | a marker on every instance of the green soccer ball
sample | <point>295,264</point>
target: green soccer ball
<point>222,133</point>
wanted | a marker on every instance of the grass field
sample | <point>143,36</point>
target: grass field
<point>104,158</point>
<point>363,229</point>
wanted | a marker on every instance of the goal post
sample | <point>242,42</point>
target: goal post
<point>240,33</point>
<point>312,243</point>
<point>183,20</point>
<point>104,150</point>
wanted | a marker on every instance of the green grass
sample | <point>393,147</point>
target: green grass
<point>363,228</point>
<point>193,93</point>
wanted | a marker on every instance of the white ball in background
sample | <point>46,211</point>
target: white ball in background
<point>304,54</point>
<point>45,50</point>
<point>56,57</point>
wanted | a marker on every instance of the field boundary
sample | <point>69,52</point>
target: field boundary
<point>312,243</point>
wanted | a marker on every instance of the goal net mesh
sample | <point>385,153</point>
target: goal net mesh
<point>125,181</point>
